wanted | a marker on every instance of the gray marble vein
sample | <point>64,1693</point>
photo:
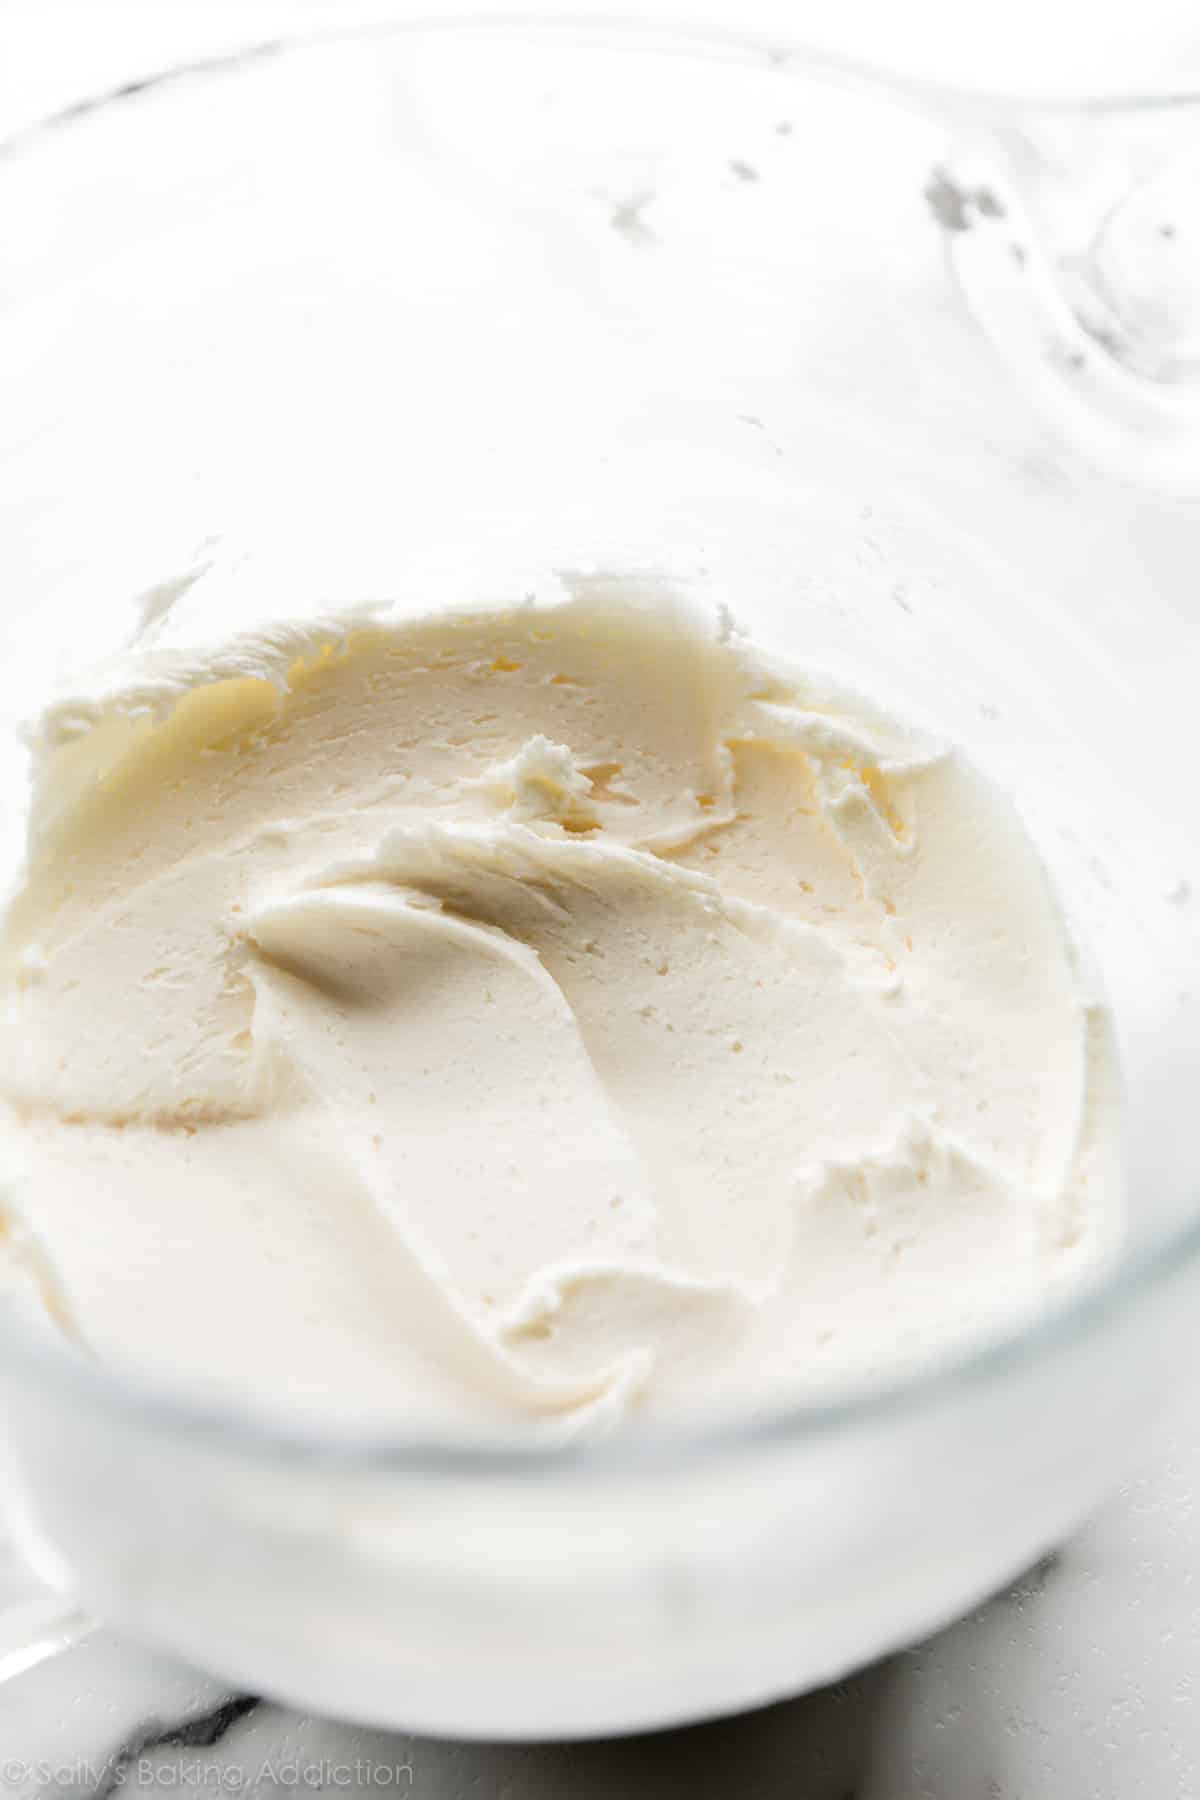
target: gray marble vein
<point>201,1732</point>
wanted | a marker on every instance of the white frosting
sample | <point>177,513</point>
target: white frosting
<point>539,1013</point>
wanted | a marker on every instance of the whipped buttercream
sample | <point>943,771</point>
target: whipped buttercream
<point>535,1013</point>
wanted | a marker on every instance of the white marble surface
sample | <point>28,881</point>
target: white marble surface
<point>1077,1684</point>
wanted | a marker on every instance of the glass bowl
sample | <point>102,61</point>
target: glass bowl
<point>432,305</point>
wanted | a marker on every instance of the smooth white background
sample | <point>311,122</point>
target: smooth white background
<point>1078,1684</point>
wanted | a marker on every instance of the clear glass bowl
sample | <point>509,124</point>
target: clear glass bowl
<point>376,309</point>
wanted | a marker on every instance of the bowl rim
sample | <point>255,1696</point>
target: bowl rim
<point>244,1427</point>
<point>780,48</point>
<point>1069,1324</point>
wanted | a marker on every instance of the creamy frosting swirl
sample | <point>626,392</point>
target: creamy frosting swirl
<point>536,1013</point>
